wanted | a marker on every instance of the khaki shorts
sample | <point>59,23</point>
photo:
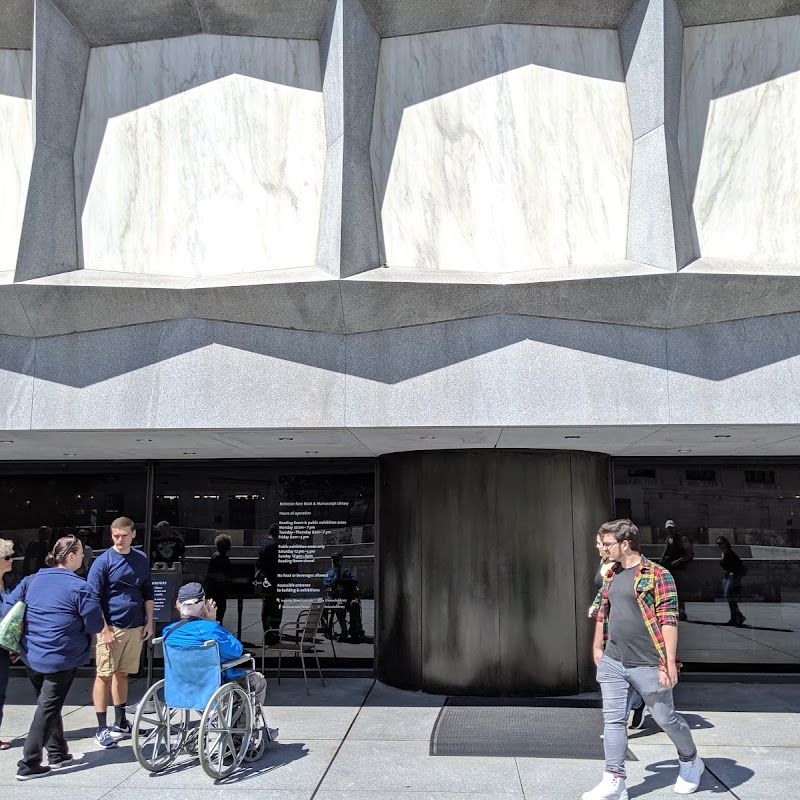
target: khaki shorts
<point>124,657</point>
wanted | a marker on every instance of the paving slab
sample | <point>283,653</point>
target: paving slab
<point>285,766</point>
<point>391,714</point>
<point>403,766</point>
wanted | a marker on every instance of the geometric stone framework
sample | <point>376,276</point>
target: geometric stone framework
<point>685,264</point>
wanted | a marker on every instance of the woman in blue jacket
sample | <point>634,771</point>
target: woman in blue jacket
<point>62,614</point>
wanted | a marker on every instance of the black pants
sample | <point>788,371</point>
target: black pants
<point>5,664</point>
<point>271,615</point>
<point>47,728</point>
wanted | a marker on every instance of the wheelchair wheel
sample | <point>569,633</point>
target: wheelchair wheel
<point>258,743</point>
<point>225,731</point>
<point>159,732</point>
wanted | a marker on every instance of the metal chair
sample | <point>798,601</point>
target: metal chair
<point>301,641</point>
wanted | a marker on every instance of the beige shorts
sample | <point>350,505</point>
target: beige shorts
<point>125,656</point>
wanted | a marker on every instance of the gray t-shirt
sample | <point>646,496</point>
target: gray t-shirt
<point>628,638</point>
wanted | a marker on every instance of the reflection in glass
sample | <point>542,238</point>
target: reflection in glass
<point>734,550</point>
<point>260,537</point>
<point>42,502</point>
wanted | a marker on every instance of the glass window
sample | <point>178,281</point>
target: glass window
<point>42,502</point>
<point>261,536</point>
<point>739,521</point>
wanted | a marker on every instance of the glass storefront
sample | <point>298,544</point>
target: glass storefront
<point>39,503</point>
<point>212,522</point>
<point>742,610</point>
<point>266,539</point>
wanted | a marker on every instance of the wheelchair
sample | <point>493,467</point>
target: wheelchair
<point>231,727</point>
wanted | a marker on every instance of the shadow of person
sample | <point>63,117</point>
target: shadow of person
<point>734,628</point>
<point>721,776</point>
<point>275,756</point>
<point>649,727</point>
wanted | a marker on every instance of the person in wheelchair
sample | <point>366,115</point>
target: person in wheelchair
<point>198,624</point>
<point>342,587</point>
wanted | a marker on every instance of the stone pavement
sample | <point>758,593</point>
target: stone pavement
<point>357,739</point>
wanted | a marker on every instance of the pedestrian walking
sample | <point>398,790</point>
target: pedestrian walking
<point>61,617</point>
<point>635,646</point>
<point>121,579</point>
<point>733,570</point>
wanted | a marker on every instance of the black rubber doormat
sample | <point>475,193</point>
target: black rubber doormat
<point>532,729</point>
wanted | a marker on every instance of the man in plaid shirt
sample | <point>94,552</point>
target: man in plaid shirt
<point>635,644</point>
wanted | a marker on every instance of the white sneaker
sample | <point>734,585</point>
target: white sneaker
<point>689,776</point>
<point>612,787</point>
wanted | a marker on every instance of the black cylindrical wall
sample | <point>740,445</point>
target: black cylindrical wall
<point>486,562</point>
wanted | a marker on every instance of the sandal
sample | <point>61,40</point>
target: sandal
<point>5,745</point>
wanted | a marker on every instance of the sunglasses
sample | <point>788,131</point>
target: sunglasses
<point>7,558</point>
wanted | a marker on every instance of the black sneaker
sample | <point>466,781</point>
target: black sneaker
<point>65,761</point>
<point>33,772</point>
<point>638,714</point>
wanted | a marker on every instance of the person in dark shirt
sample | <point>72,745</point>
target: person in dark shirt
<point>37,551</point>
<point>121,579</point>
<point>733,570</point>
<point>168,547</point>
<point>218,575</point>
<point>267,565</point>
<point>678,553</point>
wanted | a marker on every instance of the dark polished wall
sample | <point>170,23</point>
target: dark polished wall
<point>486,562</point>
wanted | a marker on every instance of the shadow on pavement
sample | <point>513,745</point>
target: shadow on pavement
<point>664,774</point>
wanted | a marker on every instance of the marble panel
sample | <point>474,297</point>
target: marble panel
<point>17,359</point>
<point>731,373</point>
<point>502,148</point>
<point>16,32</point>
<point>498,371</point>
<point>201,156</point>
<point>16,149</point>
<point>739,128</point>
<point>189,374</point>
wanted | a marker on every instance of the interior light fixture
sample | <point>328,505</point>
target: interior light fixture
<point>311,452</point>
<point>722,436</point>
<point>572,436</point>
<point>69,454</point>
<point>144,440</point>
<point>427,437</point>
<point>6,441</point>
<point>285,438</point>
<point>684,451</point>
<point>189,453</point>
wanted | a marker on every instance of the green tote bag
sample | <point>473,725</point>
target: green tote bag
<point>13,623</point>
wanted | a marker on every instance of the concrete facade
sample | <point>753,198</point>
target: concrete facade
<point>377,217</point>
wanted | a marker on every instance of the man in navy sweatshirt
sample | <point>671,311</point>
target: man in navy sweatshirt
<point>121,579</point>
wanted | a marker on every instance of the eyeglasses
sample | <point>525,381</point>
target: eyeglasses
<point>606,545</point>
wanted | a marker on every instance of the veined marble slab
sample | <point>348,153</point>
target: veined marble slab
<point>16,149</point>
<point>201,156</point>
<point>740,138</point>
<point>502,148</point>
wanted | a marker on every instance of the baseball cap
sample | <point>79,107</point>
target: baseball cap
<point>669,524</point>
<point>191,592</point>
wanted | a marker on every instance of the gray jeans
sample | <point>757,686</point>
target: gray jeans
<point>616,682</point>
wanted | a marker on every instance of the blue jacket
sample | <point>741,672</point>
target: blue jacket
<point>122,582</point>
<point>198,632</point>
<point>62,615</point>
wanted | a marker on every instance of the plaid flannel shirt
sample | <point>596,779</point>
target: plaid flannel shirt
<point>657,598</point>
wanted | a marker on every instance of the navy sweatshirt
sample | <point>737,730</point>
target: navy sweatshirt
<point>62,615</point>
<point>122,582</point>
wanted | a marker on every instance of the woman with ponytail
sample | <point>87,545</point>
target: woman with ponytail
<point>62,615</point>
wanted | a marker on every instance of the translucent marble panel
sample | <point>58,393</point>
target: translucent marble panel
<point>739,138</point>
<point>16,149</point>
<point>201,156</point>
<point>502,148</point>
